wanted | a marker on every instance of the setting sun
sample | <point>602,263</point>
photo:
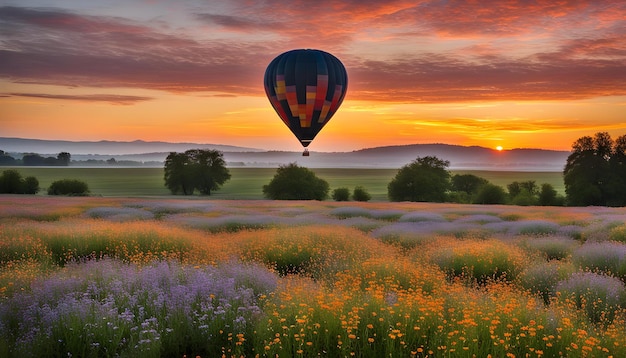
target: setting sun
<point>499,148</point>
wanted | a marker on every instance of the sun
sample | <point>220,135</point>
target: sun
<point>499,148</point>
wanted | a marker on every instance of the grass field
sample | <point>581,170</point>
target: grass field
<point>174,277</point>
<point>247,183</point>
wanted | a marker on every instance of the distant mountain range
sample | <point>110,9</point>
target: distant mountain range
<point>460,157</point>
<point>21,145</point>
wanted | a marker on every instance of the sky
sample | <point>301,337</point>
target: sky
<point>515,74</point>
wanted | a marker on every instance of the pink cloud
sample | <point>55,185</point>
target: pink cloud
<point>110,98</point>
<point>53,46</point>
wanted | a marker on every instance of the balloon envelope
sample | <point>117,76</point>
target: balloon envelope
<point>305,87</point>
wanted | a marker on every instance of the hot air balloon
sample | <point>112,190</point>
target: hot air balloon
<point>305,87</point>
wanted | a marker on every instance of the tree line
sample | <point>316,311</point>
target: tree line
<point>594,174</point>
<point>34,159</point>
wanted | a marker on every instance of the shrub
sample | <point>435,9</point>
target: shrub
<point>292,182</point>
<point>490,194</point>
<point>424,179</point>
<point>524,198</point>
<point>341,194</point>
<point>542,278</point>
<point>608,257</point>
<point>31,185</point>
<point>11,182</point>
<point>599,296</point>
<point>555,248</point>
<point>72,187</point>
<point>478,261</point>
<point>319,251</point>
<point>360,194</point>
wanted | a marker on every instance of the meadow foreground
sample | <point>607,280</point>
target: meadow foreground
<point>99,277</point>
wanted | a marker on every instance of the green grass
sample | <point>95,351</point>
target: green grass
<point>247,183</point>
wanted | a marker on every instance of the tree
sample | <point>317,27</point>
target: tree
<point>360,194</point>
<point>30,185</point>
<point>341,194</point>
<point>595,171</point>
<point>11,182</point>
<point>490,194</point>
<point>64,158</point>
<point>424,179</point>
<point>548,196</point>
<point>292,182</point>
<point>209,169</point>
<point>523,193</point>
<point>468,183</point>
<point>201,169</point>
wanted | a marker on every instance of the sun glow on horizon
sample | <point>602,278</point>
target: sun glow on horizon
<point>499,148</point>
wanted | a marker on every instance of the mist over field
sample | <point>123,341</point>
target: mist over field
<point>460,157</point>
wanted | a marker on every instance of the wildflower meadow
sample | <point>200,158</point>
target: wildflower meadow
<point>154,277</point>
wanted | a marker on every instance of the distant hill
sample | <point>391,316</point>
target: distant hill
<point>22,145</point>
<point>460,157</point>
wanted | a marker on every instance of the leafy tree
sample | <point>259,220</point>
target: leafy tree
<point>292,182</point>
<point>424,179</point>
<point>548,196</point>
<point>490,194</point>
<point>11,182</point>
<point>209,169</point>
<point>360,194</point>
<point>516,188</point>
<point>468,183</point>
<point>595,171</point>
<point>341,194</point>
<point>73,187</point>
<point>30,185</point>
<point>64,158</point>
<point>201,169</point>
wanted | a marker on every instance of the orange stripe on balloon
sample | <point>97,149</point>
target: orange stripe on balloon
<point>322,88</point>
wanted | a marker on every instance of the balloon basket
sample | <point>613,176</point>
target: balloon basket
<point>305,153</point>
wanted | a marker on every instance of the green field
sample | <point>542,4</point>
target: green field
<point>247,183</point>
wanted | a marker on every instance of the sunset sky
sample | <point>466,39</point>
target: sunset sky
<point>531,74</point>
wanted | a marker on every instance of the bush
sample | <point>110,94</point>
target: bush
<point>608,257</point>
<point>71,187</point>
<point>490,194</point>
<point>11,182</point>
<point>293,182</point>
<point>524,198</point>
<point>425,179</point>
<point>341,194</point>
<point>542,278</point>
<point>30,185</point>
<point>478,261</point>
<point>360,194</point>
<point>600,296</point>
<point>554,248</point>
